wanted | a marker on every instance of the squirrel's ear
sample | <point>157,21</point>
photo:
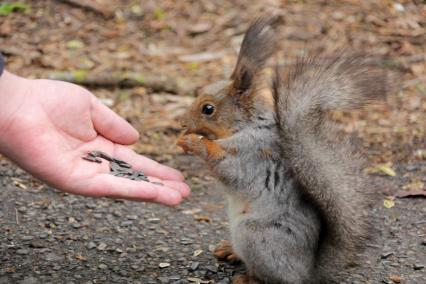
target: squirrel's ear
<point>258,45</point>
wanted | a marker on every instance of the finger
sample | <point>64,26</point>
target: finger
<point>110,186</point>
<point>110,125</point>
<point>181,187</point>
<point>148,166</point>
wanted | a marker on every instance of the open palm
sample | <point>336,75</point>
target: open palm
<point>50,125</point>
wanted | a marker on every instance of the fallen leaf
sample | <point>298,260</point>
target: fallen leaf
<point>395,278</point>
<point>197,280</point>
<point>388,203</point>
<point>77,76</point>
<point>75,44</point>
<point>382,169</point>
<point>201,57</point>
<point>164,264</point>
<point>107,101</point>
<point>19,183</point>
<point>159,14</point>
<point>420,154</point>
<point>203,218</point>
<point>415,185</point>
<point>411,193</point>
<point>11,269</point>
<point>191,211</point>
<point>79,257</point>
<point>7,8</point>
<point>199,28</point>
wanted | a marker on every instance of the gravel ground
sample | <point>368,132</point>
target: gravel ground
<point>51,237</point>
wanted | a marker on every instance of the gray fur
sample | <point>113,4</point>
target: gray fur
<point>278,238</point>
<point>307,198</point>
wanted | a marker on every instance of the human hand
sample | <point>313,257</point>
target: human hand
<point>47,126</point>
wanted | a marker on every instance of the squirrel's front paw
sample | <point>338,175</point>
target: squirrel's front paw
<point>191,143</point>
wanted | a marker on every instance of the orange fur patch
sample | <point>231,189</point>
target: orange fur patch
<point>266,96</point>
<point>266,153</point>
<point>214,150</point>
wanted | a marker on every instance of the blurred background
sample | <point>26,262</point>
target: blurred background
<point>146,60</point>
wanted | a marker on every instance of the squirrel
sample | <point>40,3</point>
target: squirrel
<point>298,199</point>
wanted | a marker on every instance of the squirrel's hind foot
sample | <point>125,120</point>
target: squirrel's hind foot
<point>225,252</point>
<point>244,279</point>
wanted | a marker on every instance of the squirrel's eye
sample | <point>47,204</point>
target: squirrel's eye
<point>208,109</point>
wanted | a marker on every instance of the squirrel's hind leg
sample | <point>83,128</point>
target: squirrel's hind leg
<point>245,279</point>
<point>281,253</point>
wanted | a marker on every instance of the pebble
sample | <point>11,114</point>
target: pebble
<point>27,238</point>
<point>194,266</point>
<point>91,245</point>
<point>22,209</point>
<point>29,280</point>
<point>52,257</point>
<point>174,277</point>
<point>22,251</point>
<point>37,244</point>
<point>132,217</point>
<point>186,241</point>
<point>182,281</point>
<point>102,266</point>
<point>126,223</point>
<point>212,268</point>
<point>418,266</point>
<point>102,246</point>
<point>91,205</point>
<point>386,255</point>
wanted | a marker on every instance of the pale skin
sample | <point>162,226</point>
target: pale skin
<point>46,127</point>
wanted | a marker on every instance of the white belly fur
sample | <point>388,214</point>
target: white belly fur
<point>236,210</point>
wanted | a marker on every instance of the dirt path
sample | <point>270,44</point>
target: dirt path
<point>146,61</point>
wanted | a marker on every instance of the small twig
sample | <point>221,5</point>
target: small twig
<point>160,83</point>
<point>16,216</point>
<point>91,5</point>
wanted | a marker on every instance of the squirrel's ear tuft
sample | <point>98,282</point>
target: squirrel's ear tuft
<point>258,45</point>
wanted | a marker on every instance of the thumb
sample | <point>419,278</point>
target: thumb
<point>110,125</point>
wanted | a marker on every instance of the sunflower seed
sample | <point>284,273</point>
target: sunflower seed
<point>102,155</point>
<point>123,164</point>
<point>118,168</point>
<point>92,159</point>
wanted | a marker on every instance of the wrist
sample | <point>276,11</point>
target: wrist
<point>12,95</point>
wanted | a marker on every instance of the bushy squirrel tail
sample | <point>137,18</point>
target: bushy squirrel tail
<point>324,163</point>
